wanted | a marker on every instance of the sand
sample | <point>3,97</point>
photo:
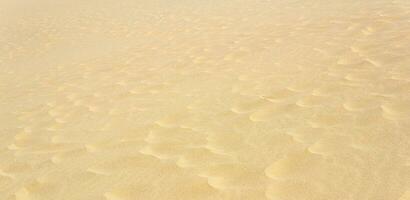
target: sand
<point>204,100</point>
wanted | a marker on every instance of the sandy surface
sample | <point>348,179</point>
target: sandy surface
<point>204,99</point>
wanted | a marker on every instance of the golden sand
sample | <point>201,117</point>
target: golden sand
<point>204,99</point>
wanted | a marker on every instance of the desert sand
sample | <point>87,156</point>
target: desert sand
<point>204,100</point>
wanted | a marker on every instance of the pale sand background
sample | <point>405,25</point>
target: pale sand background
<point>204,99</point>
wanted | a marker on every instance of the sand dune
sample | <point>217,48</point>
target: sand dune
<point>191,100</point>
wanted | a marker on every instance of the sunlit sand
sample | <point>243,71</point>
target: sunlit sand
<point>204,99</point>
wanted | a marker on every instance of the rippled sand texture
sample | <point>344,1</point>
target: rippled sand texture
<point>193,100</point>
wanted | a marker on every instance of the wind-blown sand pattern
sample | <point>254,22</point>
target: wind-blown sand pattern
<point>192,100</point>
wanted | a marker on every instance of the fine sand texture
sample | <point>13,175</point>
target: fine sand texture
<point>204,100</point>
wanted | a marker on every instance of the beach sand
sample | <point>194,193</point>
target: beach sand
<point>205,100</point>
